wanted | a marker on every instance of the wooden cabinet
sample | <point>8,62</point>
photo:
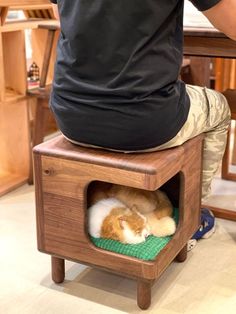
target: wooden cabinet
<point>13,64</point>
<point>15,142</point>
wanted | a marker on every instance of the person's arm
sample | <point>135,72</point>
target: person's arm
<point>221,14</point>
<point>223,17</point>
<point>55,9</point>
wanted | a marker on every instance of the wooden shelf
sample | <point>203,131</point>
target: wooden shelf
<point>15,132</point>
<point>30,7</point>
<point>21,3</point>
<point>10,181</point>
<point>14,72</point>
<point>12,95</point>
<point>25,24</point>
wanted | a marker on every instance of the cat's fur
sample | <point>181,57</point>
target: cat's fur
<point>110,218</point>
<point>142,212</point>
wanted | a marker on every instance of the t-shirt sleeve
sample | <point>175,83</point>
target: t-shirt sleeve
<point>53,1</point>
<point>203,5</point>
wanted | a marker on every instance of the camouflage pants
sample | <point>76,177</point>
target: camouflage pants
<point>210,114</point>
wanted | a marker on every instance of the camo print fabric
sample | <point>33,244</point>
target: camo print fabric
<point>210,114</point>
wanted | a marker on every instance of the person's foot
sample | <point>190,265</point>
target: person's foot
<point>191,244</point>
<point>207,227</point>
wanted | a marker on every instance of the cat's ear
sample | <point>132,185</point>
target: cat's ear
<point>122,221</point>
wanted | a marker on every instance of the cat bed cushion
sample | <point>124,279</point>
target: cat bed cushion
<point>147,250</point>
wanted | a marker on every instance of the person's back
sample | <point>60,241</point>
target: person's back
<point>117,68</point>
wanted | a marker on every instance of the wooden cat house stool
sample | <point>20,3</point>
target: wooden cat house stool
<point>63,172</point>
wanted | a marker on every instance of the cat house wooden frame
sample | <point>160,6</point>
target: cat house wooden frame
<point>63,172</point>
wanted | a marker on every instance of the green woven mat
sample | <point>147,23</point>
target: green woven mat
<point>147,250</point>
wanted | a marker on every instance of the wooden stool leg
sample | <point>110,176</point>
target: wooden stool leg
<point>144,294</point>
<point>181,257</point>
<point>58,269</point>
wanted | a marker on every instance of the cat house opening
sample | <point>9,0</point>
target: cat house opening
<point>123,219</point>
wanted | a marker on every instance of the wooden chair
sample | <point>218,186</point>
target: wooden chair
<point>42,93</point>
<point>63,172</point>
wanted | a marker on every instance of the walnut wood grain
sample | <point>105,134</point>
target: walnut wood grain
<point>58,269</point>
<point>208,42</point>
<point>199,71</point>
<point>207,32</point>
<point>182,255</point>
<point>144,294</point>
<point>209,47</point>
<point>132,162</point>
<point>63,172</point>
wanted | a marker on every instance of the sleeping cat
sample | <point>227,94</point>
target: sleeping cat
<point>110,218</point>
<point>128,214</point>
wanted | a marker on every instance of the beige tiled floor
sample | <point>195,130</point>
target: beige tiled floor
<point>205,283</point>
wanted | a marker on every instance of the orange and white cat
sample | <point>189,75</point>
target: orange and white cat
<point>127,214</point>
<point>109,218</point>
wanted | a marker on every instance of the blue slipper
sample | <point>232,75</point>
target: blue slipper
<point>207,227</point>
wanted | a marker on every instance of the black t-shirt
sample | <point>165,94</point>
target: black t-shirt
<point>116,74</point>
